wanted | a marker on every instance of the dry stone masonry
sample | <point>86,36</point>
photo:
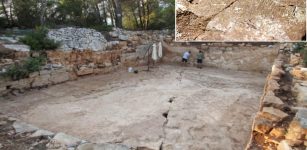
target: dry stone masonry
<point>240,20</point>
<point>92,55</point>
<point>232,56</point>
<point>281,122</point>
<point>78,38</point>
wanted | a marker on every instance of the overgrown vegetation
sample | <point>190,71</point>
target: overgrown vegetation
<point>24,68</point>
<point>305,57</point>
<point>38,40</point>
<point>301,48</point>
<point>101,28</point>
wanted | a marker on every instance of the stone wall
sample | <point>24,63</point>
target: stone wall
<point>281,122</point>
<point>92,55</point>
<point>244,57</point>
<point>65,66</point>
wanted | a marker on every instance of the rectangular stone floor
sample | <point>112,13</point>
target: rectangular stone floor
<point>176,108</point>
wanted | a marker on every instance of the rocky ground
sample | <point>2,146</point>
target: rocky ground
<point>10,140</point>
<point>239,20</point>
<point>167,108</point>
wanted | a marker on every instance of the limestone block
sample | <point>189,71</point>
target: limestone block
<point>3,90</point>
<point>278,132</point>
<point>114,34</point>
<point>229,48</point>
<point>123,43</point>
<point>21,84</point>
<point>277,71</point>
<point>21,127</point>
<point>17,47</point>
<point>204,47</point>
<point>42,133</point>
<point>66,140</point>
<point>59,76</point>
<point>42,80</point>
<point>295,131</point>
<point>273,114</point>
<point>123,37</point>
<point>299,73</point>
<point>89,146</point>
<point>85,71</point>
<point>262,125</point>
<point>283,145</point>
<point>273,85</point>
<point>301,93</point>
<point>34,74</point>
<point>271,99</point>
<point>108,64</point>
<point>295,59</point>
<point>301,116</point>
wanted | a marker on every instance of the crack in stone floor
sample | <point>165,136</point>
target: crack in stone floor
<point>168,108</point>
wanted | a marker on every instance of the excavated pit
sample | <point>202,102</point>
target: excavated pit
<point>170,107</point>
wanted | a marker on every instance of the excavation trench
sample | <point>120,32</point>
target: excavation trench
<point>170,107</point>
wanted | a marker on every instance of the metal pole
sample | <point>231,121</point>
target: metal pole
<point>148,53</point>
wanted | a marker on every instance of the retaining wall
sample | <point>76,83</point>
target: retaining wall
<point>244,57</point>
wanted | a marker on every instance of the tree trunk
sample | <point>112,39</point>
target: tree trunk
<point>5,12</point>
<point>111,11</point>
<point>43,11</point>
<point>140,14</point>
<point>11,14</point>
<point>118,13</point>
<point>105,15</point>
<point>148,14</point>
<point>144,15</point>
<point>97,10</point>
<point>135,19</point>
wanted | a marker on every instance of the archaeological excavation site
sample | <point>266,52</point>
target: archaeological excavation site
<point>110,92</point>
<point>153,75</point>
<point>241,20</point>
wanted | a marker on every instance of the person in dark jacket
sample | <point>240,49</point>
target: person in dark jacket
<point>200,57</point>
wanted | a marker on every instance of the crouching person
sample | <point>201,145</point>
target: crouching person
<point>185,57</point>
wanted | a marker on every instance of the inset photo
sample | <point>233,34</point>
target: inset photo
<point>241,20</point>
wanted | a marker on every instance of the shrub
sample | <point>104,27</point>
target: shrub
<point>305,58</point>
<point>16,72</point>
<point>34,64</point>
<point>300,48</point>
<point>38,40</point>
<point>3,22</point>
<point>23,69</point>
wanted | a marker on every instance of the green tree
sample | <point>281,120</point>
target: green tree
<point>154,14</point>
<point>130,14</point>
<point>27,12</point>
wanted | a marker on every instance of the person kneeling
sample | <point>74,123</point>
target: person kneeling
<point>186,56</point>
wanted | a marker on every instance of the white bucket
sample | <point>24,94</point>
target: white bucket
<point>130,69</point>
